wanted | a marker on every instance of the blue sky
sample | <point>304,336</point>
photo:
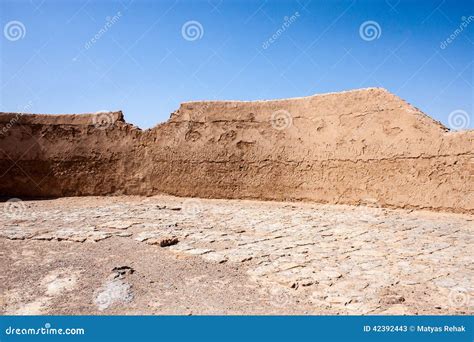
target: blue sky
<point>145,63</point>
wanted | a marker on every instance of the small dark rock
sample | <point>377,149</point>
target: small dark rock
<point>168,242</point>
<point>121,271</point>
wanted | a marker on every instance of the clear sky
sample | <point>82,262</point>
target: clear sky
<point>146,57</point>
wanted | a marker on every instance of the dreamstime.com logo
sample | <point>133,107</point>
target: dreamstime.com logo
<point>465,21</point>
<point>370,30</point>
<point>16,118</point>
<point>103,119</point>
<point>46,330</point>
<point>368,210</point>
<point>459,119</point>
<point>10,123</point>
<point>109,22</point>
<point>115,291</point>
<point>14,208</point>
<point>192,30</point>
<point>280,298</point>
<point>192,207</point>
<point>287,21</point>
<point>281,119</point>
<point>459,297</point>
<point>14,30</point>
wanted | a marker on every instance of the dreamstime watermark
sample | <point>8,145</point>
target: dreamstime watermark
<point>368,210</point>
<point>26,108</point>
<point>46,330</point>
<point>192,207</point>
<point>287,21</point>
<point>459,119</point>
<point>14,208</point>
<point>465,21</point>
<point>280,297</point>
<point>115,291</point>
<point>281,119</point>
<point>103,119</point>
<point>459,297</point>
<point>109,22</point>
<point>15,118</point>
<point>192,30</point>
<point>370,30</point>
<point>14,30</point>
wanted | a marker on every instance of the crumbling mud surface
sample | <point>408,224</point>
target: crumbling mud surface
<point>171,255</point>
<point>358,147</point>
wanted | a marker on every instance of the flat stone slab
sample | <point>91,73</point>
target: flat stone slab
<point>352,260</point>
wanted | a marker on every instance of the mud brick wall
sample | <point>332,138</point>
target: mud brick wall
<point>359,147</point>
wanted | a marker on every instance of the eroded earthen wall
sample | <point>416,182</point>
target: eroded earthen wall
<point>365,146</point>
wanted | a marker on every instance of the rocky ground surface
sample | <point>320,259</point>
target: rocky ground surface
<point>169,255</point>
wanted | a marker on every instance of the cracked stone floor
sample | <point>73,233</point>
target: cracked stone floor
<point>170,255</point>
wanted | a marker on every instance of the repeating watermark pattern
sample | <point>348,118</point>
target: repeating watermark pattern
<point>192,30</point>
<point>115,291</point>
<point>465,21</point>
<point>109,22</point>
<point>14,208</point>
<point>370,30</point>
<point>316,297</point>
<point>14,119</point>
<point>26,108</point>
<point>103,119</point>
<point>458,297</point>
<point>287,21</point>
<point>10,123</point>
<point>281,119</point>
<point>280,298</point>
<point>192,207</point>
<point>368,210</point>
<point>459,119</point>
<point>14,30</point>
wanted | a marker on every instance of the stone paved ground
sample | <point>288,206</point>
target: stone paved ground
<point>286,257</point>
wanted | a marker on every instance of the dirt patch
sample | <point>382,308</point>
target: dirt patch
<point>233,257</point>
